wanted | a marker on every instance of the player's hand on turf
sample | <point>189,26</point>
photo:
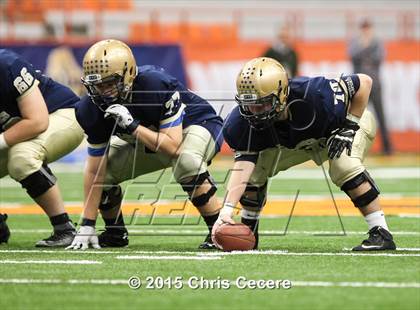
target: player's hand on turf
<point>85,236</point>
<point>342,138</point>
<point>122,116</point>
<point>222,220</point>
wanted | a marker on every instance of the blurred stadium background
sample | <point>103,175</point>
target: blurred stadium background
<point>204,43</point>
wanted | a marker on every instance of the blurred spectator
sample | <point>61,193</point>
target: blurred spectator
<point>283,51</point>
<point>367,53</point>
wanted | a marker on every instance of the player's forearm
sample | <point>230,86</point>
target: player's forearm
<point>157,141</point>
<point>360,99</point>
<point>24,130</point>
<point>93,193</point>
<point>93,186</point>
<point>241,172</point>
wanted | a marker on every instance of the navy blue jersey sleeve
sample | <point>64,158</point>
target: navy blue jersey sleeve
<point>96,127</point>
<point>344,89</point>
<point>20,78</point>
<point>162,93</point>
<point>238,135</point>
<point>172,112</point>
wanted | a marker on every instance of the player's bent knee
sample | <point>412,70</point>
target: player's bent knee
<point>188,164</point>
<point>111,198</point>
<point>254,197</point>
<point>190,186</point>
<point>366,198</point>
<point>39,182</point>
<point>345,168</point>
<point>21,164</point>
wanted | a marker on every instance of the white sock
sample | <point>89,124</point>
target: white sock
<point>376,218</point>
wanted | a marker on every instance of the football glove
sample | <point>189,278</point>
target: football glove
<point>4,229</point>
<point>342,138</point>
<point>225,217</point>
<point>123,117</point>
<point>85,236</point>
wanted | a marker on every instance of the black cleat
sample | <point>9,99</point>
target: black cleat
<point>207,244</point>
<point>113,238</point>
<point>59,238</point>
<point>4,229</point>
<point>379,239</point>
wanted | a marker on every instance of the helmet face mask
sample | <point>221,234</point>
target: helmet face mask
<point>262,91</point>
<point>260,113</point>
<point>104,92</point>
<point>109,70</point>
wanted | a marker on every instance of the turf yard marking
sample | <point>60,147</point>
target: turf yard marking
<point>172,257</point>
<point>294,283</point>
<point>177,254</point>
<point>57,281</point>
<point>286,253</point>
<point>403,215</point>
<point>200,231</point>
<point>64,262</point>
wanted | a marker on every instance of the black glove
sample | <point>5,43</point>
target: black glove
<point>342,138</point>
<point>4,230</point>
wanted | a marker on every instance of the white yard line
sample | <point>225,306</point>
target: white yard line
<point>287,253</point>
<point>407,215</point>
<point>338,254</point>
<point>297,283</point>
<point>61,262</point>
<point>172,257</point>
<point>215,253</point>
<point>200,231</point>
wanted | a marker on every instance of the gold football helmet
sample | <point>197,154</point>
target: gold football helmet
<point>262,89</point>
<point>109,69</point>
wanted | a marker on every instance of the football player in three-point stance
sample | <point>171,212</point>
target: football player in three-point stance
<point>37,127</point>
<point>280,123</point>
<point>154,123</point>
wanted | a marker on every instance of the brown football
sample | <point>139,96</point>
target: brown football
<point>235,237</point>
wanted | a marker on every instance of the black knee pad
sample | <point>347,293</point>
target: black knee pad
<point>261,196</point>
<point>39,182</point>
<point>366,198</point>
<point>111,198</point>
<point>196,181</point>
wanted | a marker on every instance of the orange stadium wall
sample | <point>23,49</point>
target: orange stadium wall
<point>214,66</point>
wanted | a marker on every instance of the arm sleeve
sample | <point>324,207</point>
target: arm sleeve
<point>95,127</point>
<point>246,156</point>
<point>172,113</point>
<point>97,149</point>
<point>21,77</point>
